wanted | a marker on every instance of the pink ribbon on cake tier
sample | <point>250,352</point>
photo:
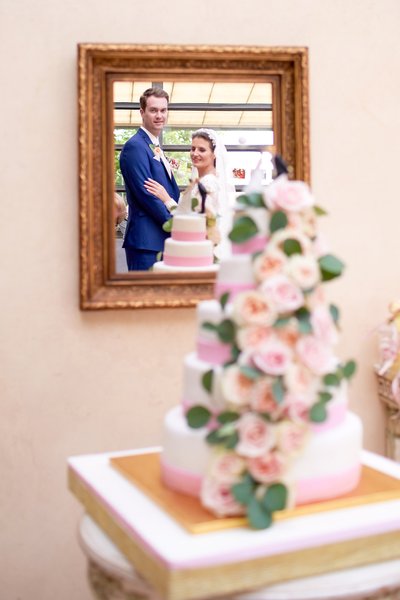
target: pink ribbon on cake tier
<point>212,351</point>
<point>232,288</point>
<point>191,261</point>
<point>188,236</point>
<point>255,244</point>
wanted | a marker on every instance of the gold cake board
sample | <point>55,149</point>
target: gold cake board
<point>144,470</point>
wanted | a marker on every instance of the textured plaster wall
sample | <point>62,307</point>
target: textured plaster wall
<point>74,382</point>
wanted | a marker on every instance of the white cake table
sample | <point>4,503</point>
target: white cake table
<point>347,553</point>
<point>113,577</point>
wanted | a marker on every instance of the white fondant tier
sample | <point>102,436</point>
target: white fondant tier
<point>329,465</point>
<point>208,346</point>
<point>235,275</point>
<point>193,391</point>
<point>188,228</point>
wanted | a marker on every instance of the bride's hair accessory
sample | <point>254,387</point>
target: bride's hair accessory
<point>208,133</point>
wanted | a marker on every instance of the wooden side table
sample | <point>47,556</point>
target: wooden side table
<point>112,577</point>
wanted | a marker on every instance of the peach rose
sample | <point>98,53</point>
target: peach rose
<point>256,435</point>
<point>291,437</point>
<point>283,293</point>
<point>217,497</point>
<point>267,468</point>
<point>252,336</point>
<point>227,467</point>
<point>273,357</point>
<point>304,270</point>
<point>297,407</point>
<point>299,379</point>
<point>270,262</point>
<point>236,387</point>
<point>263,399</point>
<point>253,308</point>
<point>315,355</point>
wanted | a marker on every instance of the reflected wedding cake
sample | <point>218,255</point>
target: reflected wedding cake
<point>263,422</point>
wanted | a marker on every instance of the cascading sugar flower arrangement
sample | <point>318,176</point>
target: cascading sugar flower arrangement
<point>283,371</point>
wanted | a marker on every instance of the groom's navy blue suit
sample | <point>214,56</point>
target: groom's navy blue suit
<point>144,236</point>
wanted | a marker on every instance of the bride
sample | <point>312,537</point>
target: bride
<point>209,185</point>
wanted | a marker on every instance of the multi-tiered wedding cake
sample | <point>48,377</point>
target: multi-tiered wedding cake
<point>263,423</point>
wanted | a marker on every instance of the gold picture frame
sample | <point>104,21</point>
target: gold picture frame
<point>99,66</point>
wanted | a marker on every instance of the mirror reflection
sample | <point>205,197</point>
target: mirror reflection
<point>149,190</point>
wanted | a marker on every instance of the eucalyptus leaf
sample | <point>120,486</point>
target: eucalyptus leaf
<point>335,313</point>
<point>318,412</point>
<point>232,441</point>
<point>195,203</point>
<point>319,211</point>
<point>224,299</point>
<point>275,497</point>
<point>278,390</point>
<point>226,331</point>
<point>281,322</point>
<point>325,397</point>
<point>278,221</point>
<point>198,416</point>
<point>291,247</point>
<point>243,199</point>
<point>243,492</point>
<point>209,326</point>
<point>207,380</point>
<point>243,229</point>
<point>213,438</point>
<point>259,517</point>
<point>331,379</point>
<point>250,372</point>
<point>330,267</point>
<point>255,199</point>
<point>227,416</point>
<point>349,369</point>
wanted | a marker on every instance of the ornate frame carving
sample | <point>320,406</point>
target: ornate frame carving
<point>99,65</point>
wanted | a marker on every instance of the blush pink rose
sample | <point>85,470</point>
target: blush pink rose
<point>297,407</point>
<point>253,308</point>
<point>283,293</point>
<point>288,195</point>
<point>323,325</point>
<point>268,468</point>
<point>217,497</point>
<point>227,467</point>
<point>273,357</point>
<point>256,436</point>
<point>291,437</point>
<point>316,355</point>
<point>236,387</point>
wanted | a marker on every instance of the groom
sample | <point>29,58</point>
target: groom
<point>141,159</point>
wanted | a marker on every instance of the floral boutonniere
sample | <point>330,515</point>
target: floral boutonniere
<point>174,163</point>
<point>156,151</point>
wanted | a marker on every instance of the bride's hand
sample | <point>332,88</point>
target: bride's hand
<point>158,190</point>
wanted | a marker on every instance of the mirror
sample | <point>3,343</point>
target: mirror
<point>256,98</point>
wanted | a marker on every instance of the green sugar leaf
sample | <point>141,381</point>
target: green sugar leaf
<point>250,372</point>
<point>243,229</point>
<point>198,416</point>
<point>195,203</point>
<point>228,416</point>
<point>255,199</point>
<point>278,221</point>
<point>335,313</point>
<point>226,331</point>
<point>331,379</point>
<point>224,299</point>
<point>319,211</point>
<point>325,397</point>
<point>243,491</point>
<point>291,247</point>
<point>349,369</point>
<point>207,380</point>
<point>259,516</point>
<point>209,326</point>
<point>275,497</point>
<point>318,412</point>
<point>278,390</point>
<point>330,267</point>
